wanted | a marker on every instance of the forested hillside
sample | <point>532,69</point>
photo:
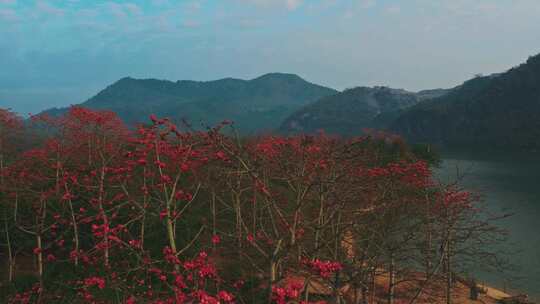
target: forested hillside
<point>496,110</point>
<point>349,112</point>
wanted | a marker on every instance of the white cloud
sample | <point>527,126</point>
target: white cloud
<point>357,8</point>
<point>8,2</point>
<point>8,15</point>
<point>287,4</point>
<point>160,2</point>
<point>293,4</point>
<point>191,23</point>
<point>329,3</point>
<point>367,3</point>
<point>250,23</point>
<point>393,9</point>
<point>48,9</point>
<point>123,10</point>
<point>132,8</point>
<point>192,6</point>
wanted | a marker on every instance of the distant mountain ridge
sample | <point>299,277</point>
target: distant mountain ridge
<point>254,105</point>
<point>497,110</point>
<point>501,109</point>
<point>348,112</point>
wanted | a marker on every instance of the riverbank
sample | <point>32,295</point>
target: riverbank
<point>435,293</point>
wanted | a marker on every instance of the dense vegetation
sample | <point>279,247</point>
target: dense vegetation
<point>349,112</point>
<point>498,110</point>
<point>97,213</point>
<point>256,105</point>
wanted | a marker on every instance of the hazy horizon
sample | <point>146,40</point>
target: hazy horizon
<point>55,53</point>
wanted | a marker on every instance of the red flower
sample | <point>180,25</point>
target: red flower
<point>216,239</point>
<point>163,214</point>
<point>135,243</point>
<point>225,296</point>
<point>323,268</point>
<point>238,284</point>
<point>95,281</point>
<point>221,155</point>
<point>51,258</point>
<point>160,164</point>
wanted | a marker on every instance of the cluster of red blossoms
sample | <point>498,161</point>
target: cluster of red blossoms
<point>323,268</point>
<point>291,293</point>
<point>415,173</point>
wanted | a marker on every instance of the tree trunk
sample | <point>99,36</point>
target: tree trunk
<point>391,281</point>
<point>364,295</point>
<point>336,288</point>
<point>273,279</point>
<point>75,229</point>
<point>39,247</point>
<point>448,262</point>
<point>373,286</point>
<point>11,261</point>
<point>429,238</point>
<point>103,214</point>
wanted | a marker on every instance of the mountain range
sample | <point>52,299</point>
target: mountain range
<point>256,105</point>
<point>497,110</point>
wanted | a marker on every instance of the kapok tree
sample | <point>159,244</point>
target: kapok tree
<point>11,127</point>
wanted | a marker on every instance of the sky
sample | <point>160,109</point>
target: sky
<point>59,52</point>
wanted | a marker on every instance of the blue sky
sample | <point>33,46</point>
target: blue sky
<point>61,52</point>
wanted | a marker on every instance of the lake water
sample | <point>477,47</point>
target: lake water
<point>508,182</point>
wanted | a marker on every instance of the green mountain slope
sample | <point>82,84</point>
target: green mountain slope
<point>496,110</point>
<point>254,105</point>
